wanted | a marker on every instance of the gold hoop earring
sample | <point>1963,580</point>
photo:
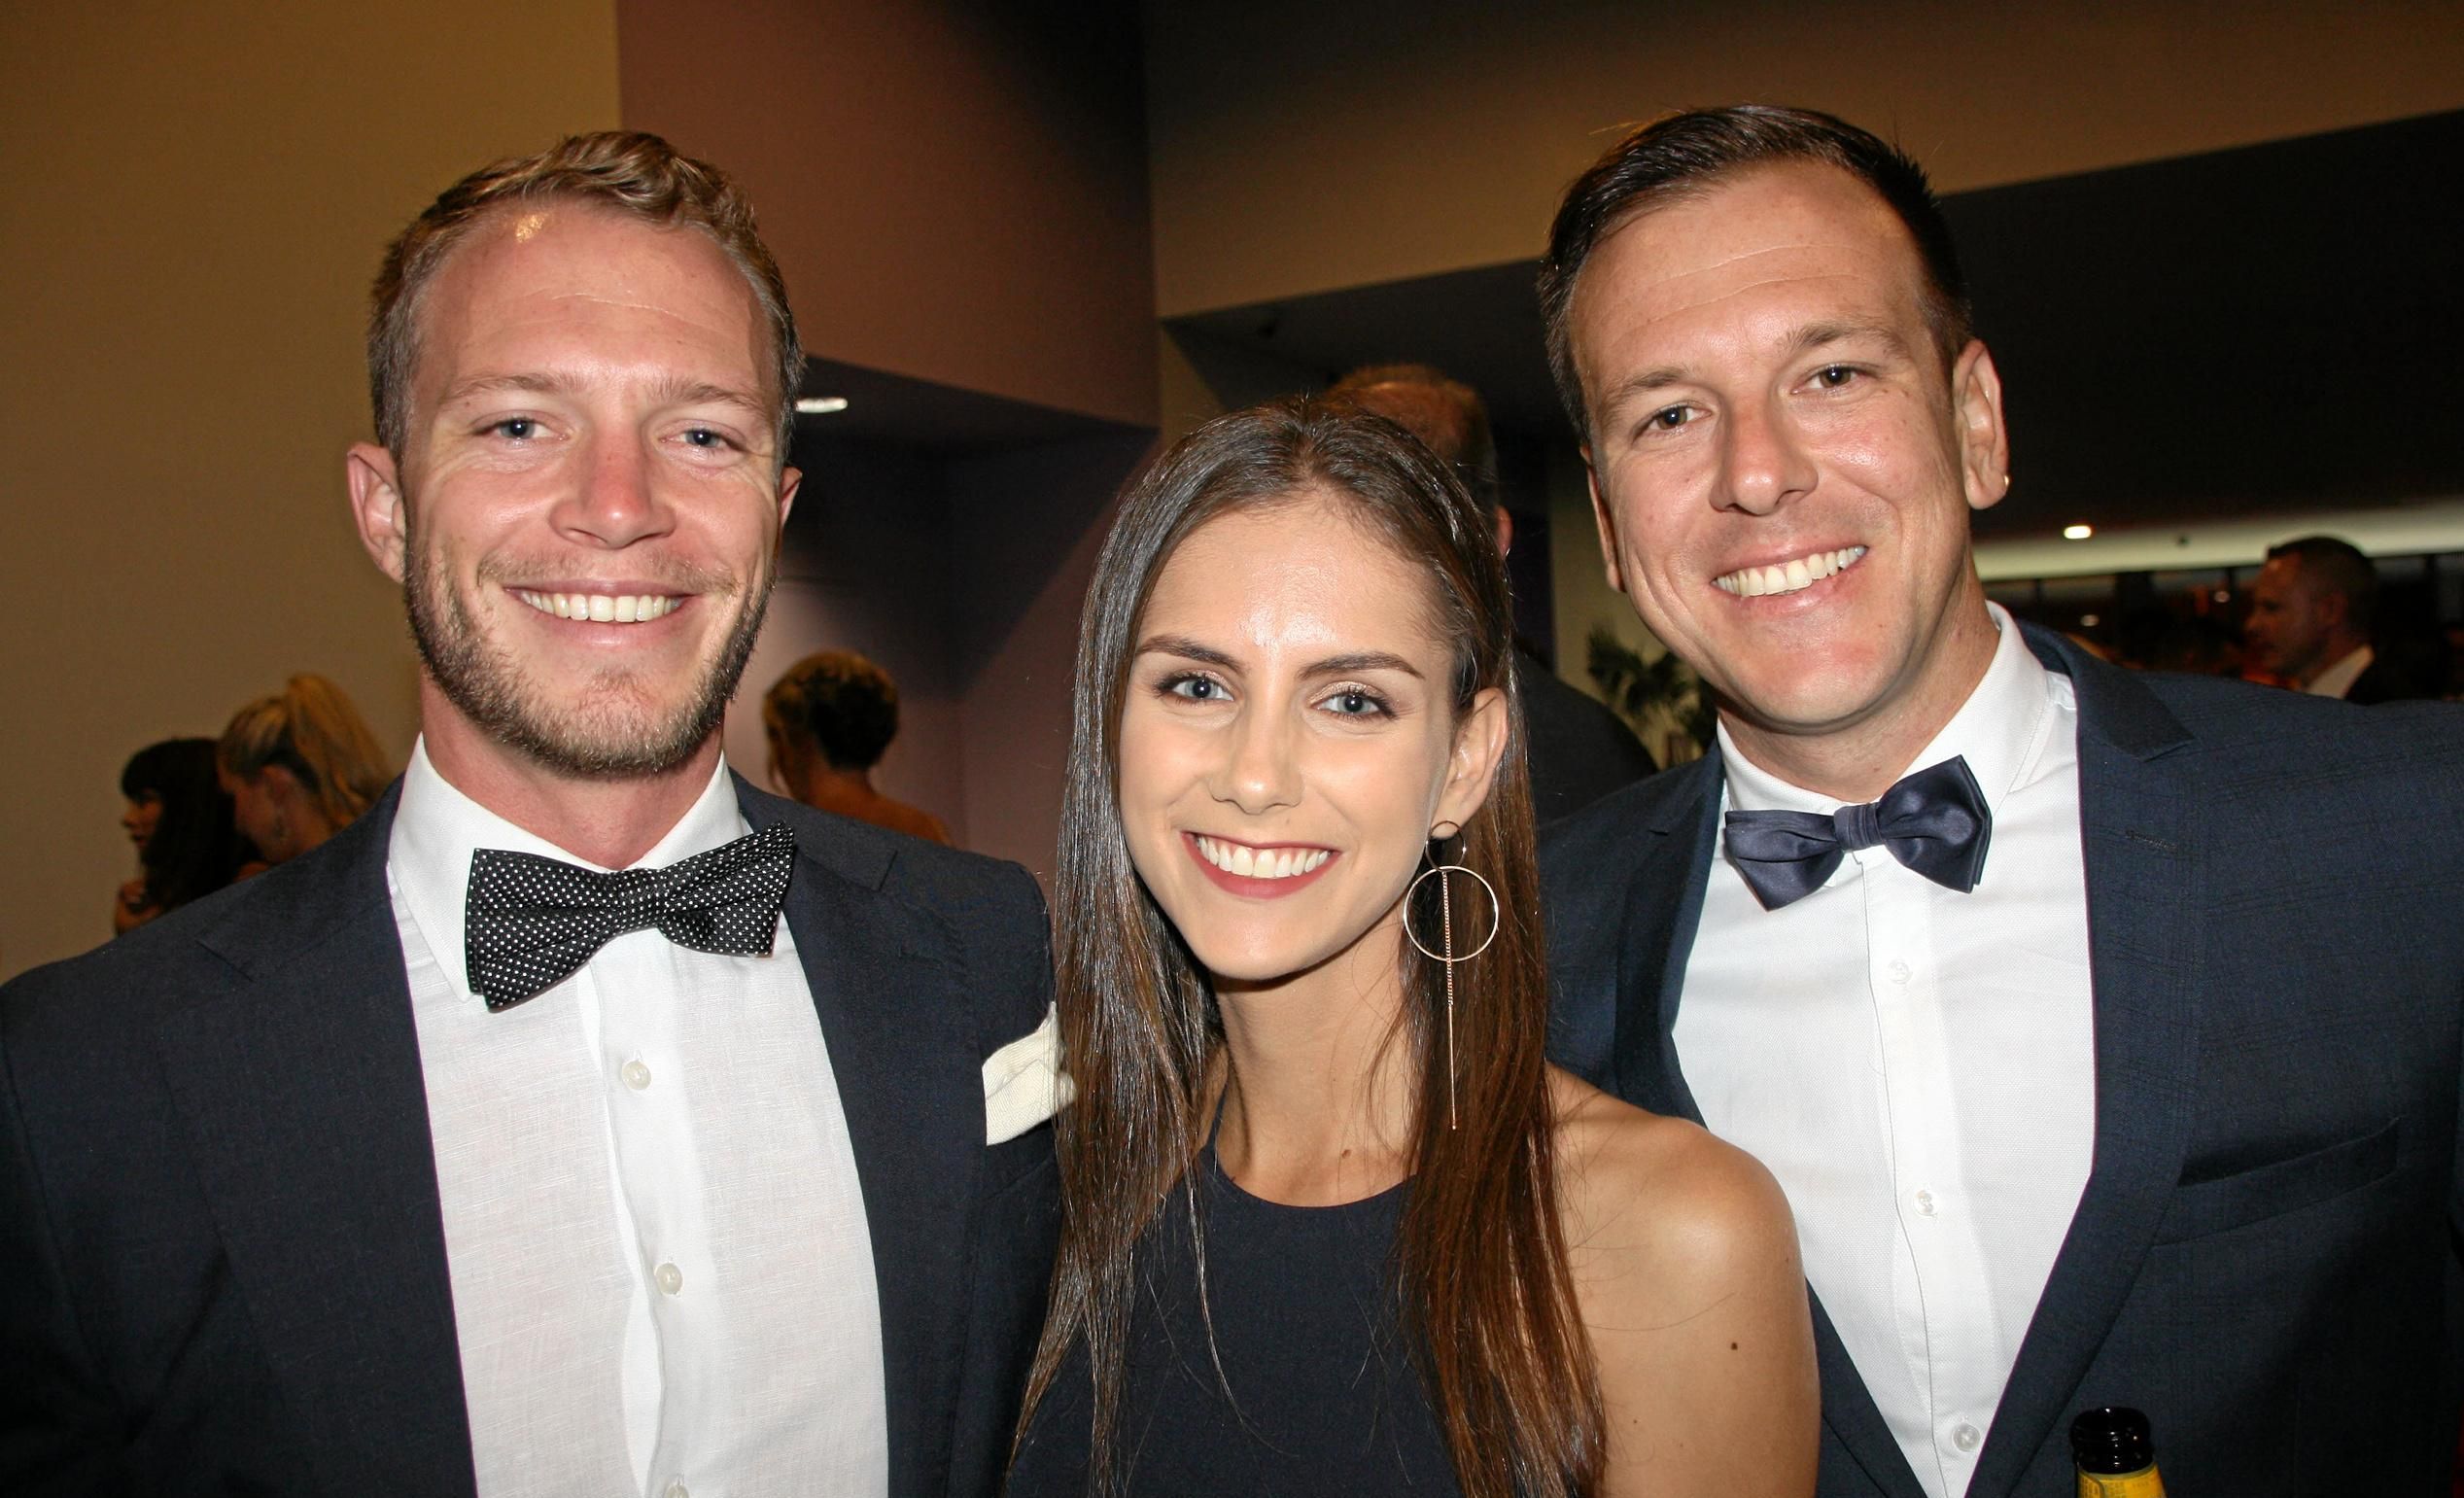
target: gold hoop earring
<point>1446,957</point>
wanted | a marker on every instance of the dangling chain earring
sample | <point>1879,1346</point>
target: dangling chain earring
<point>1440,833</point>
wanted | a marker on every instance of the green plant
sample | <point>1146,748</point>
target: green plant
<point>1650,694</point>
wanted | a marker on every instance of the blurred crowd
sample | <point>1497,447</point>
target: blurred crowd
<point>290,771</point>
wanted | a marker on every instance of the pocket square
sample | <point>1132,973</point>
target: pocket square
<point>1023,1083</point>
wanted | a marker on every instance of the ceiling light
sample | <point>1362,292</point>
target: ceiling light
<point>2069,532</point>
<point>819,405</point>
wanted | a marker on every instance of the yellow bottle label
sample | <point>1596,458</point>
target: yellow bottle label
<point>2142,1483</point>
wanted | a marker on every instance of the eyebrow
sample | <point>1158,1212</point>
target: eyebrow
<point>1351,663</point>
<point>667,390</point>
<point>1817,336</point>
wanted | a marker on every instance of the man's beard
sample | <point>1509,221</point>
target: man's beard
<point>603,735</point>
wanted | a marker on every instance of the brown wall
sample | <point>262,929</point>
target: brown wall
<point>956,191</point>
<point>199,196</point>
<point>1300,146</point>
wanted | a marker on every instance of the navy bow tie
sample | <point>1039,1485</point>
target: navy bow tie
<point>1936,822</point>
<point>529,921</point>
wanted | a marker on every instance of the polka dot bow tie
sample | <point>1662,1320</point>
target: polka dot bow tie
<point>1936,822</point>
<point>529,921</point>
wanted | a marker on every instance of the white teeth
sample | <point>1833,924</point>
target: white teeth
<point>602,607</point>
<point>1261,862</point>
<point>1788,577</point>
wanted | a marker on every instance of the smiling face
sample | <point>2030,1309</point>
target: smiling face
<point>1782,469</point>
<point>587,514</point>
<point>1288,740</point>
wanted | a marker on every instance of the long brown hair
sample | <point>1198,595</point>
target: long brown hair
<point>1480,1255</point>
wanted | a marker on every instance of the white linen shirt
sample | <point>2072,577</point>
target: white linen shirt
<point>662,1277</point>
<point>1917,1066</point>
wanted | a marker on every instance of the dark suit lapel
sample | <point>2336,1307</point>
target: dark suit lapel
<point>307,1111</point>
<point>1657,937</point>
<point>894,1017</point>
<point>2136,795</point>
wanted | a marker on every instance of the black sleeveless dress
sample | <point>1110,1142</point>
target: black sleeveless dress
<point>1323,1394</point>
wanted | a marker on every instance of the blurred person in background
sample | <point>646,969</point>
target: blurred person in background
<point>299,766</point>
<point>830,719</point>
<point>2312,611</point>
<point>180,820</point>
<point>1579,751</point>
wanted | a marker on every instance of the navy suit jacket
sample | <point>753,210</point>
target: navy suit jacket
<point>2263,1259</point>
<point>220,1236</point>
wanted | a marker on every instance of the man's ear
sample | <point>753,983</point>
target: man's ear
<point>790,480</point>
<point>1479,743</point>
<point>1606,523</point>
<point>1976,402</point>
<point>377,507</point>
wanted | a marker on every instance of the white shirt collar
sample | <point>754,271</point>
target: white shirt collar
<point>2337,680</point>
<point>2000,730</point>
<point>436,828</point>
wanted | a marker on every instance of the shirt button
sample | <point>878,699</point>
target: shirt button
<point>1924,1204</point>
<point>1899,972</point>
<point>1967,1437</point>
<point>636,1075</point>
<point>670,1278</point>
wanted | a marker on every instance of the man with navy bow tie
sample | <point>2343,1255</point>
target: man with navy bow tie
<point>580,1120</point>
<point>2103,1030</point>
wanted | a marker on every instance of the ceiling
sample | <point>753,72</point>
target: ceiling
<point>2271,327</point>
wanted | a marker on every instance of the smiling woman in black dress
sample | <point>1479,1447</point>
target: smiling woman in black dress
<point>1332,1222</point>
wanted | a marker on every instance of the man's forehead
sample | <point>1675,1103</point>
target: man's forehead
<point>572,247</point>
<point>575,266</point>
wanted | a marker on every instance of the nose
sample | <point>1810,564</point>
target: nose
<point>1258,771</point>
<point>1763,465</point>
<point>615,500</point>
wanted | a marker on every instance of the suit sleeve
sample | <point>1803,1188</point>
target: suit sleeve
<point>59,1425</point>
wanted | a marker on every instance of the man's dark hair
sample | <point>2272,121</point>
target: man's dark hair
<point>841,703</point>
<point>2332,565</point>
<point>1448,416</point>
<point>1686,155</point>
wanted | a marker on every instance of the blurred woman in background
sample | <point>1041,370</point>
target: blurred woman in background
<point>180,820</point>
<point>299,765</point>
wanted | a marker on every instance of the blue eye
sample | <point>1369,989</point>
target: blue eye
<point>1356,702</point>
<point>518,427</point>
<point>703,437</point>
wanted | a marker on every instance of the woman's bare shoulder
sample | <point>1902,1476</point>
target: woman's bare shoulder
<point>1685,1265</point>
<point>1638,1183</point>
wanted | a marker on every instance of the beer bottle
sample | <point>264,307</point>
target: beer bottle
<point>2116,1457</point>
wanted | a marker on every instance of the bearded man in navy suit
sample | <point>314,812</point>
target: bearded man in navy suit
<point>2103,1030</point>
<point>580,1120</point>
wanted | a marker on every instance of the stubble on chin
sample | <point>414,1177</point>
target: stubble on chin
<point>614,729</point>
